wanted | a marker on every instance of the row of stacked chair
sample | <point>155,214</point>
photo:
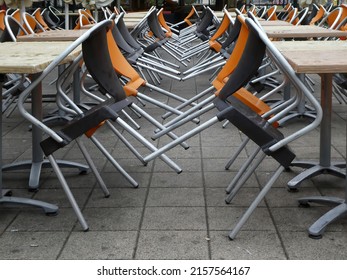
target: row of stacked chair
<point>121,62</point>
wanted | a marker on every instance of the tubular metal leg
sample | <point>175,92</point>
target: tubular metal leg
<point>92,167</point>
<point>235,155</point>
<point>243,179</point>
<point>68,193</point>
<point>255,203</point>
<point>114,162</point>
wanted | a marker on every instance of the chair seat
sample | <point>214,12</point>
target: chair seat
<point>255,127</point>
<point>83,123</point>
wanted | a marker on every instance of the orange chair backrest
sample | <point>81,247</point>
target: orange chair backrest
<point>235,56</point>
<point>253,102</point>
<point>123,68</point>
<point>16,15</point>
<point>191,13</point>
<point>291,15</point>
<point>320,14</point>
<point>2,19</point>
<point>163,23</point>
<point>37,15</point>
<point>271,13</point>
<point>220,31</point>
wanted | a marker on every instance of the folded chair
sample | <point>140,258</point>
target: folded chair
<point>97,61</point>
<point>270,140</point>
<point>133,82</point>
<point>39,18</point>
<point>316,15</point>
<point>136,58</point>
<point>189,20</point>
<point>215,41</point>
<point>203,28</point>
<point>218,84</point>
<point>220,51</point>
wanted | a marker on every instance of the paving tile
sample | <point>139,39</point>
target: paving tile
<point>36,220</point>
<point>300,247</point>
<point>244,197</point>
<point>172,245</point>
<point>175,197</point>
<point>112,219</point>
<point>225,218</point>
<point>119,197</point>
<point>31,245</point>
<point>172,180</point>
<point>99,245</point>
<point>248,245</point>
<point>174,218</point>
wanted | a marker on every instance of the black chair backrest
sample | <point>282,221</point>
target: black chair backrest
<point>98,62</point>
<point>12,29</point>
<point>313,13</point>
<point>233,34</point>
<point>121,41</point>
<point>126,34</point>
<point>154,25</point>
<point>205,22</point>
<point>247,66</point>
<point>51,22</point>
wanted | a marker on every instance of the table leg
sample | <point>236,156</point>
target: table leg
<point>37,163</point>
<point>325,165</point>
<point>47,207</point>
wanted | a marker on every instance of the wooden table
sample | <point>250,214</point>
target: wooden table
<point>301,31</point>
<point>274,23</point>
<point>28,58</point>
<point>53,35</point>
<point>323,58</point>
<point>32,58</point>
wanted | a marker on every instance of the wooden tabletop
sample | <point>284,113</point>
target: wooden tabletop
<point>53,35</point>
<point>319,57</point>
<point>274,23</point>
<point>301,31</point>
<point>31,57</point>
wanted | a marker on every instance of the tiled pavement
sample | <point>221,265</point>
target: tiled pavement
<point>171,216</point>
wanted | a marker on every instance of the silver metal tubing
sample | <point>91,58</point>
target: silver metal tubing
<point>159,65</point>
<point>157,124</point>
<point>126,142</point>
<point>191,75</point>
<point>183,121</point>
<point>243,174</point>
<point>149,145</point>
<point>235,155</point>
<point>168,93</point>
<point>255,203</point>
<point>135,124</point>
<point>188,102</point>
<point>158,71</point>
<point>114,162</point>
<point>180,139</point>
<point>68,193</point>
<point>161,60</point>
<point>92,167</point>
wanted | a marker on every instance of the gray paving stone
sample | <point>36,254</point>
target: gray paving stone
<point>172,180</point>
<point>300,247</point>
<point>99,245</point>
<point>112,219</point>
<point>174,218</point>
<point>172,245</point>
<point>175,197</point>
<point>35,220</point>
<point>248,245</point>
<point>31,245</point>
<point>225,218</point>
